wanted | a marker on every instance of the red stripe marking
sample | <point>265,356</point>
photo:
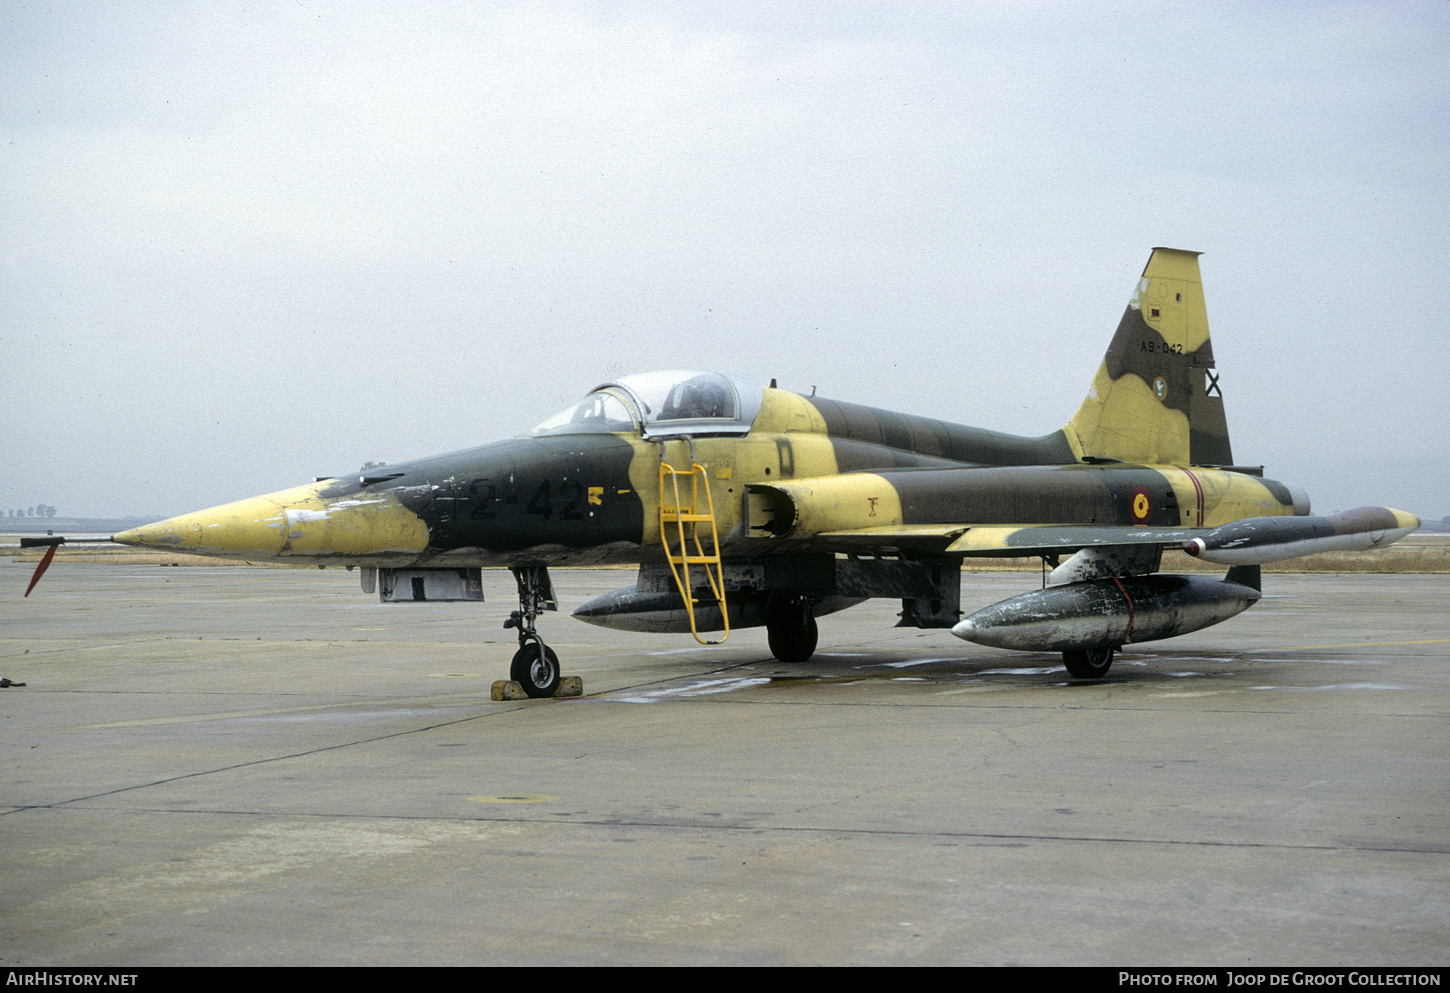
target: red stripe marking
<point>1198,488</point>
<point>1130,608</point>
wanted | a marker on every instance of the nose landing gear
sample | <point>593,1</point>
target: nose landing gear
<point>535,666</point>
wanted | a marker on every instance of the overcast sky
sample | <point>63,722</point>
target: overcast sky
<point>246,244</point>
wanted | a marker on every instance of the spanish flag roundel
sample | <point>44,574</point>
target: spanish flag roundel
<point>1140,505</point>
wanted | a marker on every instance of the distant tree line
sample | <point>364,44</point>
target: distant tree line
<point>39,510</point>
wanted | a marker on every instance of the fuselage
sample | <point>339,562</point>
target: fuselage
<point>800,467</point>
<point>749,506</point>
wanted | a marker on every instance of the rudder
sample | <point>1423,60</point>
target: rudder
<point>1155,399</point>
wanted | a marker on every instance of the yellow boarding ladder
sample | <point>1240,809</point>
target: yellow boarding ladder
<point>683,522</point>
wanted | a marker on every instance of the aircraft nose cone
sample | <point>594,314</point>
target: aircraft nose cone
<point>304,524</point>
<point>247,528</point>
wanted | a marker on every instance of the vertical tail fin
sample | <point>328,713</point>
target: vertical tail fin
<point>1156,397</point>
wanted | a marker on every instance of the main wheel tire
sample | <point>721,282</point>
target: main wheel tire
<point>535,670</point>
<point>1089,663</point>
<point>791,632</point>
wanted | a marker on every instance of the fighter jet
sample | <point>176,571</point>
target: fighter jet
<point>746,505</point>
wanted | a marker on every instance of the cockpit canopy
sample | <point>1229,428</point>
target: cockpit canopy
<point>662,405</point>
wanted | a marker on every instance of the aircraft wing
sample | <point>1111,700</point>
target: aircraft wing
<point>891,539</point>
<point>1250,541</point>
<point>1003,540</point>
<point>1045,539</point>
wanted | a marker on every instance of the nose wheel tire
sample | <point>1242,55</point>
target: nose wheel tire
<point>536,669</point>
<point>1088,663</point>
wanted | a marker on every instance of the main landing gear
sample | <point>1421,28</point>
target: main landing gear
<point>790,627</point>
<point>1088,663</point>
<point>535,666</point>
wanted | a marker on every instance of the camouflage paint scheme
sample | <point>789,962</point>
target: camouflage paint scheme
<point>1153,411</point>
<point>815,498</point>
